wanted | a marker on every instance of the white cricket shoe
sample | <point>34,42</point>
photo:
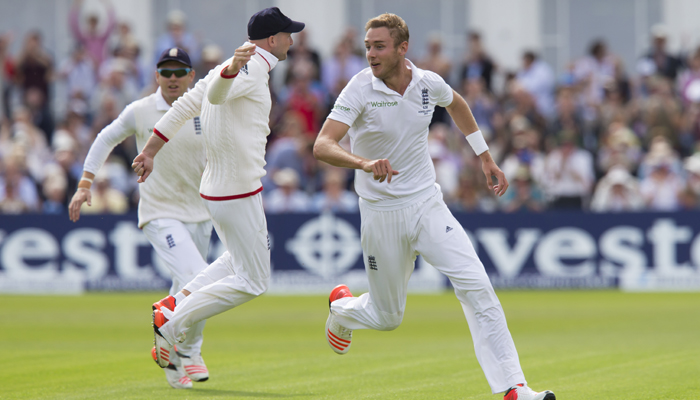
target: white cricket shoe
<point>337,336</point>
<point>174,375</point>
<point>194,367</point>
<point>522,392</point>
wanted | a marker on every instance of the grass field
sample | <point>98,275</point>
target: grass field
<point>582,345</point>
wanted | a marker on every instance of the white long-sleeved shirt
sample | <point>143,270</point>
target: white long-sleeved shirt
<point>235,115</point>
<point>172,189</point>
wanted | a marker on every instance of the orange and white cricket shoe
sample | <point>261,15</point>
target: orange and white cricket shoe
<point>163,349</point>
<point>194,367</point>
<point>167,302</point>
<point>175,376</point>
<point>522,392</point>
<point>338,337</point>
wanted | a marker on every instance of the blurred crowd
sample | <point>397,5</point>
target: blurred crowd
<point>600,137</point>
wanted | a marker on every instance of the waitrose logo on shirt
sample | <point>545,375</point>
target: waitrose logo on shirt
<point>383,103</point>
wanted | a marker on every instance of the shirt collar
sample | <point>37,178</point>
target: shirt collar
<point>267,56</point>
<point>416,75</point>
<point>161,104</point>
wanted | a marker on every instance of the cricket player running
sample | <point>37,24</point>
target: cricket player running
<point>171,213</point>
<point>389,106</point>
<point>234,102</point>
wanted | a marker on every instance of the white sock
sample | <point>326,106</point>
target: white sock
<point>179,296</point>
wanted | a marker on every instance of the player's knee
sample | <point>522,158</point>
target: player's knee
<point>391,321</point>
<point>260,286</point>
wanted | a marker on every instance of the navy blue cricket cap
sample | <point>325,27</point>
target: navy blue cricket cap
<point>269,22</point>
<point>175,54</point>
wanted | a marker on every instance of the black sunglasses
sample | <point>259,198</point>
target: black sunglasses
<point>179,72</point>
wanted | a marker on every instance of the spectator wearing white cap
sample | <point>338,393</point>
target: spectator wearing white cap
<point>287,198</point>
<point>617,191</point>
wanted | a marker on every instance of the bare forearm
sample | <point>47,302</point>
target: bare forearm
<point>330,152</point>
<point>153,146</point>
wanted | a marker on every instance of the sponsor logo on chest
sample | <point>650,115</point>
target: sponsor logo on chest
<point>382,104</point>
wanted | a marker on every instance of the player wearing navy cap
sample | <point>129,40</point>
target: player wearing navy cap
<point>234,102</point>
<point>170,212</point>
<point>390,105</point>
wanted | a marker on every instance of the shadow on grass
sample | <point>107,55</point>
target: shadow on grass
<point>238,393</point>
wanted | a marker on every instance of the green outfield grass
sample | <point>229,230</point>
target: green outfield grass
<point>582,345</point>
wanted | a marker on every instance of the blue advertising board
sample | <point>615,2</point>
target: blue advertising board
<point>311,253</point>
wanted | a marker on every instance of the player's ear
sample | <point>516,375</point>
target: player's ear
<point>403,48</point>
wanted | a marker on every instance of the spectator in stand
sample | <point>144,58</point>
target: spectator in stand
<point>301,52</point>
<point>658,61</point>
<point>212,55</point>
<point>617,191</point>
<point>660,151</point>
<point>434,60</point>
<point>78,72</point>
<point>116,86</point>
<point>177,36</point>
<point>287,198</point>
<point>304,98</point>
<point>337,72</point>
<point>54,190</point>
<point>592,73</point>
<point>32,142</point>
<point>689,80</point>
<point>64,153</point>
<point>288,150</point>
<point>105,198</point>
<point>7,68</point>
<point>478,63</point>
<point>690,195</point>
<point>619,147</point>
<point>35,71</point>
<point>18,192</point>
<point>568,115</point>
<point>446,172</point>
<point>335,197</point>
<point>569,174</point>
<point>524,194</point>
<point>537,78</point>
<point>94,40</point>
<point>662,187</point>
<point>526,154</point>
<point>482,104</point>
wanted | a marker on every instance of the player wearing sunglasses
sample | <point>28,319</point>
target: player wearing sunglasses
<point>171,213</point>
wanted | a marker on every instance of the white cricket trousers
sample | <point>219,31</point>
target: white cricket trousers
<point>392,236</point>
<point>241,274</point>
<point>183,248</point>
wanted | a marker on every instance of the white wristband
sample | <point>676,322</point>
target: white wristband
<point>476,140</point>
<point>86,179</point>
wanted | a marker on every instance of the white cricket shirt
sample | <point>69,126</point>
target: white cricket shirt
<point>235,115</point>
<point>171,190</point>
<point>385,124</point>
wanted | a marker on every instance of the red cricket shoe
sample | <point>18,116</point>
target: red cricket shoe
<point>167,302</point>
<point>338,293</point>
<point>522,392</point>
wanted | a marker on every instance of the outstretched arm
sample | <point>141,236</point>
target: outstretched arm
<point>462,115</point>
<point>327,149</point>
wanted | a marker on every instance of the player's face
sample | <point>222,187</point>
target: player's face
<point>382,55</point>
<point>282,42</point>
<point>173,86</point>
